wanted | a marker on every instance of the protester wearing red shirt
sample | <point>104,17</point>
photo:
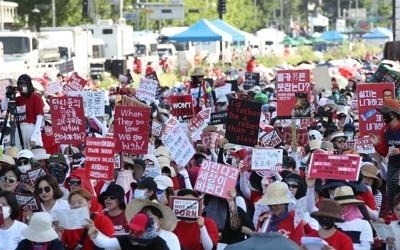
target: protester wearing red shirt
<point>149,69</point>
<point>72,238</point>
<point>200,234</point>
<point>251,64</point>
<point>137,66</point>
<point>330,212</point>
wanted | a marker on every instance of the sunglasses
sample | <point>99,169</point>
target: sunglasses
<point>74,182</point>
<point>111,197</point>
<point>293,186</point>
<point>341,141</point>
<point>8,179</point>
<point>22,162</point>
<point>44,190</point>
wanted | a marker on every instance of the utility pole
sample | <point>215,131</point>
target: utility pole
<point>221,10</point>
<point>53,12</point>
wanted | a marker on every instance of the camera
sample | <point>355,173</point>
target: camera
<point>11,92</point>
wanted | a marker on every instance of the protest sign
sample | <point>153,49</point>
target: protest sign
<point>243,122</point>
<point>147,90</point>
<point>132,128</point>
<point>199,122</point>
<point>178,144</point>
<point>69,125</point>
<point>71,219</point>
<point>186,207</point>
<point>27,201</point>
<point>210,139</point>
<point>321,78</point>
<point>386,74</point>
<point>156,128</point>
<point>223,90</point>
<point>251,79</point>
<point>269,137</point>
<point>301,136</point>
<point>364,145</point>
<point>330,166</point>
<point>218,118</point>
<point>216,179</point>
<point>75,84</point>
<point>34,174</point>
<point>370,97</point>
<point>53,88</point>
<point>153,76</point>
<point>100,158</point>
<point>266,159</point>
<point>293,93</point>
<point>66,67</point>
<point>181,107</point>
<point>1,216</point>
<point>93,103</point>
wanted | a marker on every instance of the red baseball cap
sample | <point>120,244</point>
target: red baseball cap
<point>139,222</point>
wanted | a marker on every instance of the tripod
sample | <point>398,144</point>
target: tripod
<point>12,117</point>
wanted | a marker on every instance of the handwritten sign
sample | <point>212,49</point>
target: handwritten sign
<point>132,128</point>
<point>243,122</point>
<point>75,84</point>
<point>67,115</point>
<point>93,103</point>
<point>216,179</point>
<point>293,93</point>
<point>178,144</point>
<point>100,158</point>
<point>364,145</point>
<point>251,79</point>
<point>266,159</point>
<point>72,218</point>
<point>223,90</point>
<point>53,88</point>
<point>147,90</point>
<point>198,123</point>
<point>218,118</point>
<point>34,174</point>
<point>181,107</point>
<point>153,76</point>
<point>269,137</point>
<point>330,166</point>
<point>156,128</point>
<point>186,207</point>
<point>27,201</point>
<point>370,97</point>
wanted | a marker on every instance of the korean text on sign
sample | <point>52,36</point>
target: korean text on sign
<point>100,158</point>
<point>216,179</point>
<point>266,159</point>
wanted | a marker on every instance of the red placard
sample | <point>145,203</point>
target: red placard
<point>67,115</point>
<point>200,120</point>
<point>370,97</point>
<point>293,93</point>
<point>216,179</point>
<point>301,136</point>
<point>100,158</point>
<point>132,129</point>
<point>339,167</point>
<point>181,106</point>
<point>75,83</point>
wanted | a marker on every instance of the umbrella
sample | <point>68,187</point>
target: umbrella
<point>341,81</point>
<point>303,40</point>
<point>264,241</point>
<point>332,36</point>
<point>289,41</point>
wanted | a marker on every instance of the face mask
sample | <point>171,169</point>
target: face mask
<point>326,222</point>
<point>59,173</point>
<point>24,168</point>
<point>6,212</point>
<point>24,89</point>
<point>139,194</point>
<point>387,118</point>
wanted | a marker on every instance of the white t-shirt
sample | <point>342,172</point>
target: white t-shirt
<point>60,204</point>
<point>396,230</point>
<point>10,237</point>
<point>361,227</point>
<point>170,238</point>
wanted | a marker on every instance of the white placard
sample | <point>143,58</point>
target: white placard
<point>266,159</point>
<point>223,90</point>
<point>93,103</point>
<point>53,88</point>
<point>147,90</point>
<point>383,231</point>
<point>72,219</point>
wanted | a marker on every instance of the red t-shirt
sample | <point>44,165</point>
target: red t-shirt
<point>189,233</point>
<point>368,198</point>
<point>71,238</point>
<point>29,107</point>
<point>50,144</point>
<point>338,240</point>
<point>286,228</point>
<point>119,222</point>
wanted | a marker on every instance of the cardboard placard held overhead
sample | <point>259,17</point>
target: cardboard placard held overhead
<point>186,207</point>
<point>147,90</point>
<point>74,85</point>
<point>243,122</point>
<point>93,103</point>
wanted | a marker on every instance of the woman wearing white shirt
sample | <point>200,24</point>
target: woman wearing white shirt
<point>10,231</point>
<point>394,243</point>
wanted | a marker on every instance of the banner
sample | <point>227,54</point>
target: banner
<point>186,207</point>
<point>147,90</point>
<point>251,79</point>
<point>68,120</point>
<point>266,159</point>
<point>370,97</point>
<point>75,84</point>
<point>181,107</point>
<point>330,166</point>
<point>243,122</point>
<point>93,103</point>
<point>132,129</point>
<point>293,93</point>
<point>216,179</point>
<point>100,158</point>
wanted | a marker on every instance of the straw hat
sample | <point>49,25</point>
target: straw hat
<point>276,193</point>
<point>7,159</point>
<point>40,153</point>
<point>368,169</point>
<point>390,105</point>
<point>168,220</point>
<point>344,195</point>
<point>13,151</point>
<point>328,208</point>
<point>40,228</point>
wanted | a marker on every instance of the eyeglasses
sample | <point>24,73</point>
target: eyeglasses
<point>74,182</point>
<point>44,190</point>
<point>293,186</point>
<point>111,197</point>
<point>8,179</point>
<point>22,162</point>
<point>341,141</point>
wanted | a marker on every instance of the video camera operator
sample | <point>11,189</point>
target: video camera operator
<point>29,111</point>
